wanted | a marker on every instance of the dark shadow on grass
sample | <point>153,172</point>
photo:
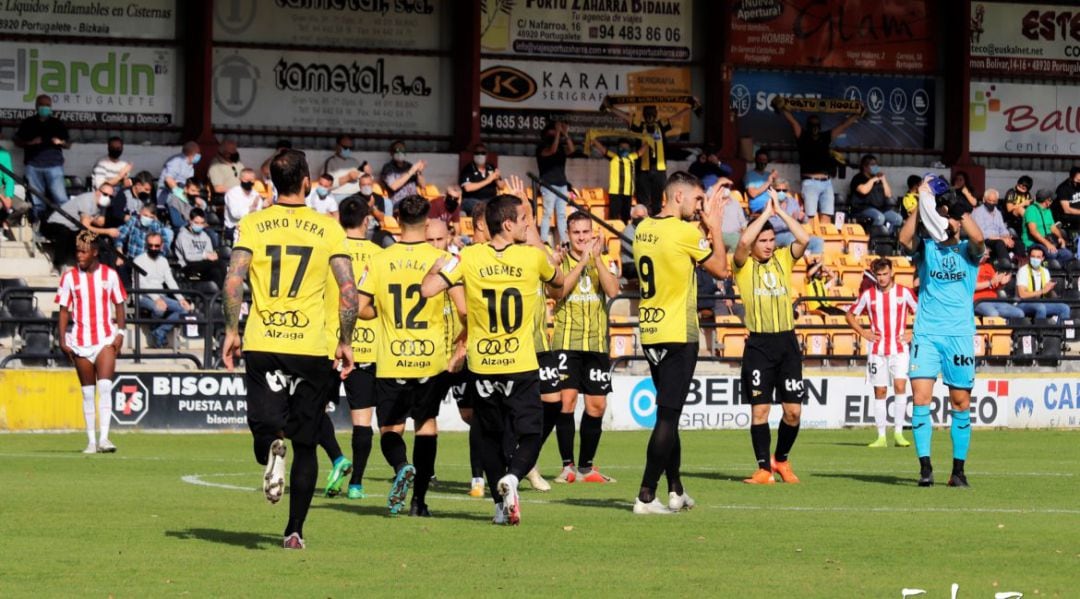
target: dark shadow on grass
<point>720,476</point>
<point>621,505</point>
<point>247,540</point>
<point>450,487</point>
<point>881,479</point>
<point>382,512</point>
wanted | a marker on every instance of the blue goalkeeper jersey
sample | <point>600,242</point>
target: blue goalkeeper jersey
<point>947,276</point>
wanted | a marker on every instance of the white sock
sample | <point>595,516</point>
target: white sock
<point>88,411</point>
<point>880,416</point>
<point>104,389</point>
<point>899,412</point>
<point>478,481</point>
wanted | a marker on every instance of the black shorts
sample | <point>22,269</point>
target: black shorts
<point>360,387</point>
<point>549,372</point>
<point>507,402</point>
<point>461,389</point>
<point>772,366</point>
<point>398,399</point>
<point>287,392</point>
<point>672,367</point>
<point>588,372</point>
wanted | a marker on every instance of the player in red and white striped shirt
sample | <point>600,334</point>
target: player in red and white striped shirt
<point>91,299</point>
<point>888,306</point>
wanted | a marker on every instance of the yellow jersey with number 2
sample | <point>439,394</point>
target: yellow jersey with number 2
<point>665,251</point>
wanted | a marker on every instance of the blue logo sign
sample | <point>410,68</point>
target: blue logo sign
<point>643,403</point>
<point>1024,404</point>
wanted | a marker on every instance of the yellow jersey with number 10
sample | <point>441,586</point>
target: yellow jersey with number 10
<point>366,331</point>
<point>665,252</point>
<point>502,302</point>
<point>291,248</point>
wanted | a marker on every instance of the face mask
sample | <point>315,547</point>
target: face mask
<point>1036,262</point>
<point>44,111</point>
<point>874,169</point>
<point>815,129</point>
<point>234,157</point>
<point>104,201</point>
<point>399,156</point>
<point>623,153</point>
<point>116,153</point>
<point>144,195</point>
<point>451,204</point>
<point>146,221</point>
<point>480,160</point>
<point>990,207</point>
<point>247,185</point>
<point>366,190</point>
<point>195,159</point>
<point>322,192</point>
<point>196,229</point>
<point>781,195</point>
<point>636,221</point>
<point>761,165</point>
<point>346,152</point>
<point>153,253</point>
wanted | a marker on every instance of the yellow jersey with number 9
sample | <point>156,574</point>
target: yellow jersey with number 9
<point>366,331</point>
<point>291,248</point>
<point>502,302</point>
<point>665,251</point>
<point>412,340</point>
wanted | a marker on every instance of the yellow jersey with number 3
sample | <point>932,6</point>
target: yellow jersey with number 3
<point>413,340</point>
<point>291,248</point>
<point>366,331</point>
<point>502,303</point>
<point>665,251</point>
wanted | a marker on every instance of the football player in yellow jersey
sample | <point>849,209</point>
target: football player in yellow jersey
<point>288,249</point>
<point>581,346</point>
<point>355,216</point>
<point>500,279</point>
<point>772,362</point>
<point>666,249</point>
<point>411,355</point>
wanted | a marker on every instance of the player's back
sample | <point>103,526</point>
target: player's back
<point>947,276</point>
<point>668,308</point>
<point>291,248</point>
<point>366,331</point>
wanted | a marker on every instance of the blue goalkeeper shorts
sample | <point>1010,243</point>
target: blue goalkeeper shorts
<point>951,357</point>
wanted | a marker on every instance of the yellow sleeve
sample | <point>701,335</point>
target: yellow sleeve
<point>544,266</point>
<point>452,272</point>
<point>242,235</point>
<point>690,239</point>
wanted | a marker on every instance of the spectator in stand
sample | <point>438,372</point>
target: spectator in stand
<point>816,162</point>
<point>758,181</point>
<point>551,154</point>
<point>86,209</point>
<point>1033,282</point>
<point>999,240</point>
<point>448,209</point>
<point>401,178</point>
<point>127,203</point>
<point>734,216</point>
<point>1039,228</point>
<point>652,169</point>
<point>1017,200</point>
<point>707,167</point>
<point>872,198</point>
<point>11,208</point>
<point>344,168</point>
<point>638,213</point>
<point>1067,195</point>
<point>110,168</point>
<point>241,201</point>
<point>911,199</point>
<point>132,238</point>
<point>819,280</point>
<point>790,204</point>
<point>379,207</point>
<point>320,199</point>
<point>225,168</point>
<point>962,184</point>
<point>176,171</point>
<point>43,138</point>
<point>988,284</point>
<point>158,275</point>
<point>707,291</point>
<point>180,205</point>
<point>195,251</point>
<point>264,171</point>
<point>479,180</point>
<point>620,177</point>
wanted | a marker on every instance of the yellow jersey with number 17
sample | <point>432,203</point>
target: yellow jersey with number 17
<point>366,331</point>
<point>412,344</point>
<point>502,301</point>
<point>291,248</point>
<point>665,251</point>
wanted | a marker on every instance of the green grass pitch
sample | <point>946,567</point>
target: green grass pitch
<point>131,524</point>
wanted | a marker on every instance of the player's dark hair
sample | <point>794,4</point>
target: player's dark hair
<point>500,209</point>
<point>479,210</point>
<point>143,177</point>
<point>1073,171</point>
<point>866,160</point>
<point>766,227</point>
<point>352,212</point>
<point>327,177</point>
<point>196,213</point>
<point>413,210</point>
<point>288,170</point>
<point>880,264</point>
<point>1026,181</point>
<point>913,181</point>
<point>682,178</point>
<point>1038,248</point>
<point>576,216</point>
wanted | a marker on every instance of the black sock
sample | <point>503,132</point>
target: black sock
<point>328,440</point>
<point>302,475</point>
<point>393,449</point>
<point>564,432</point>
<point>476,462</point>
<point>261,446</point>
<point>361,450</point>
<point>551,416</point>
<point>658,453</point>
<point>785,438</point>
<point>674,476</point>
<point>761,438</point>
<point>425,448</point>
<point>528,449</point>
<point>958,466</point>
<point>491,454</point>
<point>591,429</point>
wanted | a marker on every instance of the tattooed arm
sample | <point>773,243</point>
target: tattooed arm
<point>239,264</point>
<point>348,307</point>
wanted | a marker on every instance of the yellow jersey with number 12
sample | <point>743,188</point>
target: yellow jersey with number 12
<point>502,301</point>
<point>366,331</point>
<point>665,251</point>
<point>291,248</point>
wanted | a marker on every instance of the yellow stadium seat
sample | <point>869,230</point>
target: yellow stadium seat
<point>390,225</point>
<point>465,227</point>
<point>980,345</point>
<point>732,345</point>
<point>377,188</point>
<point>844,344</point>
<point>430,191</point>
<point>1000,339</point>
